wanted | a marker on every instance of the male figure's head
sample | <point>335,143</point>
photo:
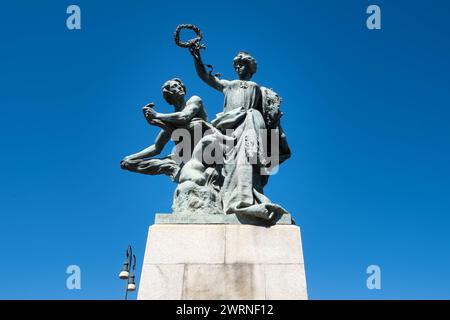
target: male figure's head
<point>244,65</point>
<point>174,92</point>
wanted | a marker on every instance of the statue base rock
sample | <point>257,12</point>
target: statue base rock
<point>222,261</point>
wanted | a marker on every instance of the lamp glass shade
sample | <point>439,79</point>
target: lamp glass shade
<point>124,274</point>
<point>131,287</point>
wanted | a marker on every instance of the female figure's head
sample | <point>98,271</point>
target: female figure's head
<point>244,65</point>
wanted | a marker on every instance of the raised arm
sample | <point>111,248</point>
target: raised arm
<point>208,78</point>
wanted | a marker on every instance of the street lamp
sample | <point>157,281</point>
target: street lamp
<point>130,262</point>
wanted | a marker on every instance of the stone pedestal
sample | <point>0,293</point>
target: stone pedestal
<point>222,261</point>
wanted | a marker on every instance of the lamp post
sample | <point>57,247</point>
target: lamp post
<point>129,265</point>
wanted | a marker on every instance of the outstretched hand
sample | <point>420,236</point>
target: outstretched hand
<point>124,163</point>
<point>128,163</point>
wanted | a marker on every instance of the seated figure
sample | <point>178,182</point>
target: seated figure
<point>189,116</point>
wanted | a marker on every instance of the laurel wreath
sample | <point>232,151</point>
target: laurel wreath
<point>192,42</point>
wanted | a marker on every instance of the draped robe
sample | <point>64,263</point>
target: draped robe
<point>242,120</point>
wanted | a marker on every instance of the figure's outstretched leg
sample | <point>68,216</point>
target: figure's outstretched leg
<point>165,166</point>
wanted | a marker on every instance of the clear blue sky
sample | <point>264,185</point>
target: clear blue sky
<point>366,113</point>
